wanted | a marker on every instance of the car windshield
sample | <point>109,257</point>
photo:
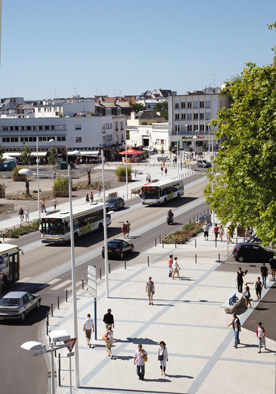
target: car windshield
<point>113,244</point>
<point>150,193</point>
<point>52,226</point>
<point>111,200</point>
<point>10,302</point>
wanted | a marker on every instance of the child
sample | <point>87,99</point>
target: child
<point>247,296</point>
<point>260,332</point>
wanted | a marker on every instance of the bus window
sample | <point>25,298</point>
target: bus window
<point>150,192</point>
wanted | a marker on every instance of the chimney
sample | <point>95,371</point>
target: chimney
<point>114,102</point>
<point>132,115</point>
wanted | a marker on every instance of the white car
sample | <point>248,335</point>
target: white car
<point>16,304</point>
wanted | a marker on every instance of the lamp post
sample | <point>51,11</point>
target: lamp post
<point>195,137</point>
<point>126,166</point>
<point>105,234</point>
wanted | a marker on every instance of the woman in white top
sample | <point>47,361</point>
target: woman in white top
<point>162,357</point>
<point>27,213</point>
<point>109,341</point>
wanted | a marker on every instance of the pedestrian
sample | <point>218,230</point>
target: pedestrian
<point>135,173</point>
<point>54,202</point>
<point>87,328</point>
<point>162,357</point>
<point>21,214</point>
<point>147,177</point>
<point>221,233</point>
<point>170,265</point>
<point>166,171</point>
<point>216,231</point>
<point>108,319</point>
<point>161,170</point>
<point>150,289</point>
<point>108,337</point>
<point>264,274</point>
<point>124,230</point>
<point>273,268</point>
<point>247,295</point>
<point>260,332</point>
<point>239,279</point>
<point>140,356</point>
<point>99,191</point>
<point>229,235</point>
<point>236,328</point>
<point>206,232</point>
<point>43,205</point>
<point>27,215</point>
<point>127,228</point>
<point>258,288</point>
<point>91,197</point>
<point>176,268</point>
<point>87,197</point>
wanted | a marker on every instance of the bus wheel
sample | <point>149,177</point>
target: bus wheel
<point>100,227</point>
<point>178,195</point>
<point>76,237</point>
<point>165,200</point>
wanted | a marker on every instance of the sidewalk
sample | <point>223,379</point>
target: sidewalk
<point>186,314</point>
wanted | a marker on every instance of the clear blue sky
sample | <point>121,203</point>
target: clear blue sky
<point>51,47</point>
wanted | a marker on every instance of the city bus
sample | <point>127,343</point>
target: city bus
<point>9,264</point>
<point>161,192</point>
<point>55,228</point>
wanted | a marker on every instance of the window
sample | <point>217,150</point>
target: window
<point>46,127</point>
<point>201,104</point>
<point>195,104</point>
<point>77,127</point>
<point>40,127</point>
<point>122,126</point>
<point>5,128</point>
<point>41,139</point>
<point>29,128</point>
<point>109,137</point>
<point>176,116</point>
<point>23,139</point>
<point>183,105</point>
<point>61,139</point>
<point>32,139</point>
<point>207,128</point>
<point>189,105</point>
<point>208,104</point>
<point>162,142</point>
<point>195,127</point>
<point>208,116</point>
<point>189,127</point>
<point>116,126</point>
<point>14,139</point>
<point>39,109</point>
<point>183,116</point>
<point>201,116</point>
<point>195,116</point>
<point>5,139</point>
<point>78,139</point>
<point>11,128</point>
<point>189,116</point>
<point>176,128</point>
<point>16,128</point>
<point>176,105</point>
<point>201,127</point>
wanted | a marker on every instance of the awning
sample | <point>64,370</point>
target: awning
<point>39,153</point>
<point>95,153</point>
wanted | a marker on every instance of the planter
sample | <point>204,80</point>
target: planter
<point>64,193</point>
<point>123,178</point>
<point>2,193</point>
<point>19,178</point>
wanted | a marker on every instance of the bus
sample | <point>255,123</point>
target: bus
<point>55,228</point>
<point>159,192</point>
<point>9,264</point>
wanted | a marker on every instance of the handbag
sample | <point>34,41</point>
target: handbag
<point>160,357</point>
<point>145,357</point>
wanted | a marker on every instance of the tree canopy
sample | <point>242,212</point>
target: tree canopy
<point>137,107</point>
<point>162,107</point>
<point>242,188</point>
<point>1,154</point>
<point>53,157</point>
<point>25,155</point>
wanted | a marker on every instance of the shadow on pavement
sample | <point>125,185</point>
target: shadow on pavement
<point>173,203</point>
<point>144,341</point>
<point>180,376</point>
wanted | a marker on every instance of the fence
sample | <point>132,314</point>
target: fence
<point>93,185</point>
<point>4,208</point>
<point>9,231</point>
<point>20,195</point>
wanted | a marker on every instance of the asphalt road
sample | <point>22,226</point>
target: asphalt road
<point>19,370</point>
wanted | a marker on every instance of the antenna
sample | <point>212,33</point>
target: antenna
<point>75,91</point>
<point>214,80</point>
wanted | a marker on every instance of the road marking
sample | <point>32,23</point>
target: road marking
<point>53,281</point>
<point>25,279</point>
<point>62,284</point>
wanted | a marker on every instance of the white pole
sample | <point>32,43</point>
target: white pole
<point>52,369</point>
<point>126,167</point>
<point>177,155</point>
<point>73,269</point>
<point>70,367</point>
<point>37,171</point>
<point>105,235</point>
<point>213,212</point>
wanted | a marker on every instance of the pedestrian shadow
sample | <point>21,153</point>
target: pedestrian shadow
<point>123,358</point>
<point>187,278</point>
<point>144,341</point>
<point>158,380</point>
<point>180,376</point>
<point>96,345</point>
<point>163,304</point>
<point>247,345</point>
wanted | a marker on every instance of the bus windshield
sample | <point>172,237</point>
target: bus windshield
<point>52,226</point>
<point>150,193</point>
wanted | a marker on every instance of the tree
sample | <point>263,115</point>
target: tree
<point>242,188</point>
<point>162,108</point>
<point>25,155</point>
<point>53,157</point>
<point>137,107</point>
<point>1,154</point>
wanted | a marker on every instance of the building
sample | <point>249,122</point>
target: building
<point>189,117</point>
<point>144,118</point>
<point>156,135</point>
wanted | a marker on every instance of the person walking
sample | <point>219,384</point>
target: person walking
<point>170,265</point>
<point>108,319</point>
<point>236,328</point>
<point>161,170</point>
<point>140,356</point>
<point>27,215</point>
<point>21,214</point>
<point>247,296</point>
<point>260,332</point>
<point>108,337</point>
<point>127,228</point>
<point>43,205</point>
<point>258,288</point>
<point>264,274</point>
<point>239,279</point>
<point>54,202</point>
<point>124,230</point>
<point>162,357</point>
<point>206,231</point>
<point>273,268</point>
<point>87,197</point>
<point>216,231</point>
<point>150,289</point>
<point>87,328</point>
<point>99,191</point>
<point>176,268</point>
<point>221,233</point>
<point>229,235</point>
<point>135,173</point>
<point>166,171</point>
<point>91,197</point>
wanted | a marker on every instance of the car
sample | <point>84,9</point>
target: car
<point>162,158</point>
<point>150,149</point>
<point>116,203</point>
<point>118,248</point>
<point>16,304</point>
<point>253,253</point>
<point>203,163</point>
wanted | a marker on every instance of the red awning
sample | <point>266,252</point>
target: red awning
<point>131,152</point>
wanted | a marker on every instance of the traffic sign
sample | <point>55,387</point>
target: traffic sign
<point>91,270</point>
<point>92,277</point>
<point>70,354</point>
<point>92,281</point>
<point>70,344</point>
<point>92,292</point>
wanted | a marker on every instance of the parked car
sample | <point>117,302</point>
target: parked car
<point>118,248</point>
<point>116,203</point>
<point>16,304</point>
<point>253,253</point>
<point>162,158</point>
<point>7,165</point>
<point>203,163</point>
<point>150,149</point>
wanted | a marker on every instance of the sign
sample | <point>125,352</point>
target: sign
<point>70,354</point>
<point>92,281</point>
<point>70,344</point>
<point>92,292</point>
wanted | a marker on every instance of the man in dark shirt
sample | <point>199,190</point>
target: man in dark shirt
<point>108,319</point>
<point>264,273</point>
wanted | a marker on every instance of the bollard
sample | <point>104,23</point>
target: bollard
<point>3,237</point>
<point>236,240</point>
<point>162,244</point>
<point>66,295</point>
<point>58,302</point>
<point>100,273</point>
<point>82,283</point>
<point>216,243</point>
<point>219,257</point>
<point>125,264</point>
<point>59,368</point>
<point>109,268</point>
<point>47,325</point>
<point>52,310</point>
<point>160,239</point>
<point>195,259</point>
<point>193,219</point>
<point>154,241</point>
<point>148,261</point>
<point>195,243</point>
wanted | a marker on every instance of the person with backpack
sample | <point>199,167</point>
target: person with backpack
<point>162,357</point>
<point>124,230</point>
<point>247,296</point>
<point>260,332</point>
<point>264,274</point>
<point>235,323</point>
<point>140,357</point>
<point>258,288</point>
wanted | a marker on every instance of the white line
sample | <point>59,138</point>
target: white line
<point>25,279</point>
<point>53,281</point>
<point>66,282</point>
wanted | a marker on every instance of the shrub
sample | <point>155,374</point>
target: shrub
<point>121,170</point>
<point>2,187</point>
<point>15,170</point>
<point>61,184</point>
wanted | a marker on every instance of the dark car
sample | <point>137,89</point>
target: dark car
<point>16,304</point>
<point>116,203</point>
<point>118,248</point>
<point>203,163</point>
<point>253,253</point>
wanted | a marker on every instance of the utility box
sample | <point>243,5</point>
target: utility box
<point>63,165</point>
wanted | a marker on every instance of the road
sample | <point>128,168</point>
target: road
<point>46,269</point>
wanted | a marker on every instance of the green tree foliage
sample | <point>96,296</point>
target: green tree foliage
<point>162,108</point>
<point>1,155</point>
<point>25,155</point>
<point>137,107</point>
<point>244,187</point>
<point>53,157</point>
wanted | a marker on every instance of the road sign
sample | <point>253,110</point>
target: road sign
<point>92,281</point>
<point>91,270</point>
<point>70,354</point>
<point>92,292</point>
<point>92,277</point>
<point>70,344</point>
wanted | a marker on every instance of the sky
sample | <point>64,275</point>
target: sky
<point>60,48</point>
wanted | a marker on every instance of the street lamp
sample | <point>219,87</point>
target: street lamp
<point>195,137</point>
<point>126,166</point>
<point>105,234</point>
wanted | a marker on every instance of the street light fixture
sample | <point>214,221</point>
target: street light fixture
<point>105,235</point>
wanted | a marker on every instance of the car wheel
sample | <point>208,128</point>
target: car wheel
<point>23,317</point>
<point>178,195</point>
<point>121,255</point>
<point>241,259</point>
<point>38,305</point>
<point>132,249</point>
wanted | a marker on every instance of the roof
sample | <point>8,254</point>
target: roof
<point>77,211</point>
<point>147,115</point>
<point>5,247</point>
<point>15,294</point>
<point>164,183</point>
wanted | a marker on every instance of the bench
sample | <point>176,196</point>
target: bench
<point>233,302</point>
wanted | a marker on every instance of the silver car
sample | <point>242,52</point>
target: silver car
<point>16,304</point>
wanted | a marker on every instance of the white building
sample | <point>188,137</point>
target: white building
<point>156,135</point>
<point>189,115</point>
